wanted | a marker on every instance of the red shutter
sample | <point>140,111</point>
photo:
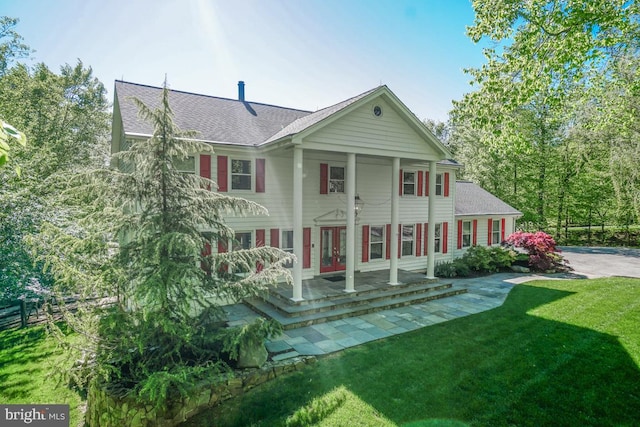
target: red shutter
<point>426,238</point>
<point>259,243</point>
<point>222,174</point>
<point>388,241</point>
<point>426,183</point>
<point>445,237</point>
<point>204,264</point>
<point>502,229</point>
<point>446,184</point>
<point>205,167</point>
<point>260,175</point>
<point>399,240</point>
<point>275,238</point>
<point>474,237</point>
<point>260,240</point>
<point>400,186</point>
<point>365,243</point>
<point>459,234</point>
<point>324,178</point>
<point>490,228</point>
<point>306,247</point>
<point>418,239</point>
<point>420,182</point>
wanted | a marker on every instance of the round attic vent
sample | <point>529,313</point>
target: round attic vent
<point>377,111</point>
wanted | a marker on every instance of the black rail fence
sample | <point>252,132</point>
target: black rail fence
<point>33,311</point>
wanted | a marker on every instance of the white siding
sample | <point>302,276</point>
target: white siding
<point>362,132</point>
<point>373,185</point>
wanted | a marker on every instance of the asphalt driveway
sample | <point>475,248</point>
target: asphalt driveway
<point>600,262</point>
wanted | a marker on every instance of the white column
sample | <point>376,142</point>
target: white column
<point>351,222</point>
<point>395,216</point>
<point>431,229</point>
<point>297,223</point>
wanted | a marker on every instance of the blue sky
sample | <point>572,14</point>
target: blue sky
<point>305,54</point>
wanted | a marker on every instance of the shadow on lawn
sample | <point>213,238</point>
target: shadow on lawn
<point>20,361</point>
<point>501,367</point>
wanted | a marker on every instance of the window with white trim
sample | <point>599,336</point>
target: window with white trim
<point>336,179</point>
<point>241,174</point>
<point>439,185</point>
<point>437,242</point>
<point>409,183</point>
<point>242,240</point>
<point>466,234</point>
<point>286,244</point>
<point>376,242</point>
<point>495,232</point>
<point>407,240</point>
<point>185,165</point>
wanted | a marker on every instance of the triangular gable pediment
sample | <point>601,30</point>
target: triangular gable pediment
<point>374,123</point>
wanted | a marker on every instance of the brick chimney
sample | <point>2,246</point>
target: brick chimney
<point>241,91</point>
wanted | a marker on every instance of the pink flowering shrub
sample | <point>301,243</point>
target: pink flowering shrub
<point>541,248</point>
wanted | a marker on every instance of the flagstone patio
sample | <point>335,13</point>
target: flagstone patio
<point>483,293</point>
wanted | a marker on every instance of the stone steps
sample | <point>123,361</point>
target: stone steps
<point>334,307</point>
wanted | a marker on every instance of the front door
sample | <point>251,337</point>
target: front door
<point>333,249</point>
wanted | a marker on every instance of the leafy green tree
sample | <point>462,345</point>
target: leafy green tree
<point>138,241</point>
<point>65,117</point>
<point>11,44</point>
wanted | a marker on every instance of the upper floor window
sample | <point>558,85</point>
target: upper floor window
<point>241,173</point>
<point>242,240</point>
<point>186,165</point>
<point>336,179</point>
<point>439,185</point>
<point>409,183</point>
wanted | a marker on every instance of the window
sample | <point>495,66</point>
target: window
<point>437,245</point>
<point>495,232</point>
<point>376,242</point>
<point>407,240</point>
<point>242,241</point>
<point>336,179</point>
<point>466,234</point>
<point>409,183</point>
<point>240,174</point>
<point>186,165</point>
<point>439,184</point>
<point>287,244</point>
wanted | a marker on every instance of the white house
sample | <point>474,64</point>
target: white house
<point>361,185</point>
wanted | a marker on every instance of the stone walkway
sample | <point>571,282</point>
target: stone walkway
<point>484,293</point>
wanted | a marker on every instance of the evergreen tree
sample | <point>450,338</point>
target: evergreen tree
<point>141,247</point>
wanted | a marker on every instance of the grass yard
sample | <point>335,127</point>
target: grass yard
<point>556,353</point>
<point>28,363</point>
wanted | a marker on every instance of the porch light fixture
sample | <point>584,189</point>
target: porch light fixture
<point>358,204</point>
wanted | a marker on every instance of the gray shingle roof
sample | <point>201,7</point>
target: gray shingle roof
<point>215,119</point>
<point>471,199</point>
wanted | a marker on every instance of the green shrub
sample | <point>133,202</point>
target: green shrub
<point>477,259</point>
<point>488,259</point>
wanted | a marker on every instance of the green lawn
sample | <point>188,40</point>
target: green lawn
<point>29,361</point>
<point>556,353</point>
